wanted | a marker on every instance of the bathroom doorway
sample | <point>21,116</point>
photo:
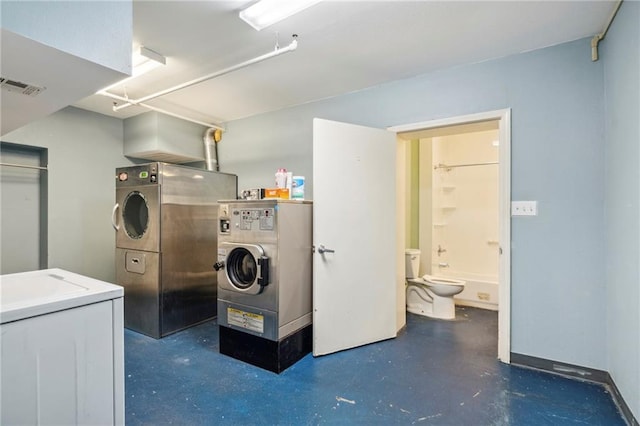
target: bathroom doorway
<point>457,207</point>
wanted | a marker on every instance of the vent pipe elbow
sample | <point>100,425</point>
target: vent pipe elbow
<point>599,37</point>
<point>594,47</point>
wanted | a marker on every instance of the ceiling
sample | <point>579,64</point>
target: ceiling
<point>343,46</point>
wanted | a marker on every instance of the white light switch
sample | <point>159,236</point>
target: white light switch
<point>524,208</point>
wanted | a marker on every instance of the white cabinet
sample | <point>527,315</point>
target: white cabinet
<point>62,350</point>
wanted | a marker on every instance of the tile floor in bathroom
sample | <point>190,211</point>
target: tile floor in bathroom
<point>435,372</point>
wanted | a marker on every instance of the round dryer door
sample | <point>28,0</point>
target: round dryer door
<point>135,213</point>
<point>247,268</point>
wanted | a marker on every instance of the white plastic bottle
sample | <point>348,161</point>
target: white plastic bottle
<point>281,178</point>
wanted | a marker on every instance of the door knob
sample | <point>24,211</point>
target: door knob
<point>323,250</point>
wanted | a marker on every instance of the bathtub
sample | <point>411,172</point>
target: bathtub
<point>479,292</point>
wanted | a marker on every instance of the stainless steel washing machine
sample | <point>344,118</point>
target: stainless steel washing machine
<point>264,281</point>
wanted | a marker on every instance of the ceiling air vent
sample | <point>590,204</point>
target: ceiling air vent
<point>20,87</point>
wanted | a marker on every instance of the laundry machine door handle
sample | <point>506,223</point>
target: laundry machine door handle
<point>218,265</point>
<point>263,279</point>
<point>113,217</point>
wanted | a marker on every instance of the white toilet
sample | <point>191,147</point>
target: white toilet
<point>429,296</point>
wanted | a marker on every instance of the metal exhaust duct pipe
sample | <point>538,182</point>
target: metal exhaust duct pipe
<point>209,145</point>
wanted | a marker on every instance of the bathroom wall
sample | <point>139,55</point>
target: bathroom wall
<point>464,206</point>
<point>412,206</point>
<point>620,53</point>
<point>411,169</point>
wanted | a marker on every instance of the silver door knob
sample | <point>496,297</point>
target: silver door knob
<point>323,250</point>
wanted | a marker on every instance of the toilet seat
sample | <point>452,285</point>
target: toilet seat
<point>442,280</point>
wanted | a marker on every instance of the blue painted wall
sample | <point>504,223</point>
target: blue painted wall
<point>576,280</point>
<point>556,96</point>
<point>84,149</point>
<point>620,52</point>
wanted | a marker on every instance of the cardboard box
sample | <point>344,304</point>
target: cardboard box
<point>281,193</point>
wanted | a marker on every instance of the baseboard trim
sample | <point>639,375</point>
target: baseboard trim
<point>561,368</point>
<point>580,373</point>
<point>619,400</point>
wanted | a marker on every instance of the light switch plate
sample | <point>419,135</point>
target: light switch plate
<point>524,208</point>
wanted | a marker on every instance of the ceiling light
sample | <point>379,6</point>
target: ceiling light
<point>267,12</point>
<point>143,60</point>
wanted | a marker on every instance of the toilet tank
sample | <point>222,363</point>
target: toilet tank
<point>412,263</point>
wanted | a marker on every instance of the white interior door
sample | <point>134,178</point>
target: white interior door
<point>354,214</point>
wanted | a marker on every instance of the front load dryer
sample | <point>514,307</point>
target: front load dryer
<point>165,244</point>
<point>264,281</point>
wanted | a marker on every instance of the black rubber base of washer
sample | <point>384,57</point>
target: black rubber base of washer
<point>264,353</point>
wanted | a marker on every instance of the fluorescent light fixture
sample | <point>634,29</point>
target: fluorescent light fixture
<point>267,12</point>
<point>143,60</point>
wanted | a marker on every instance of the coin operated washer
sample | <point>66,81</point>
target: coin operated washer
<point>264,281</point>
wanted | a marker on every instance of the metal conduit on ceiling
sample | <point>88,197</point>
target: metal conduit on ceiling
<point>143,100</point>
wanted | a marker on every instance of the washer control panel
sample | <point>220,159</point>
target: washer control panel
<point>246,219</point>
<point>253,219</point>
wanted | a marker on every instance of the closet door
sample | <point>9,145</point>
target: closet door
<point>23,220</point>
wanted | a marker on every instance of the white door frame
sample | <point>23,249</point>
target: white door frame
<point>504,210</point>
